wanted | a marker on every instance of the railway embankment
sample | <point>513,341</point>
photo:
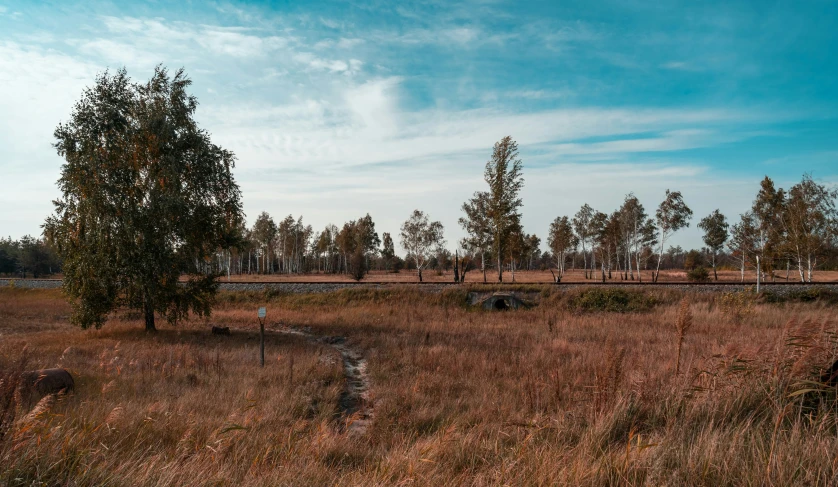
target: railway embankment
<point>779,288</point>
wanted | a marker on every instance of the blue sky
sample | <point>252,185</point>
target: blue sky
<point>336,109</point>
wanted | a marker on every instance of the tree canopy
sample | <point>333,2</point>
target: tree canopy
<point>421,238</point>
<point>504,176</point>
<point>146,198</point>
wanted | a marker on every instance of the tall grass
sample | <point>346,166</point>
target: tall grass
<point>542,396</point>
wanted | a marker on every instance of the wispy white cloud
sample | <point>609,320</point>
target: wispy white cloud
<point>321,116</point>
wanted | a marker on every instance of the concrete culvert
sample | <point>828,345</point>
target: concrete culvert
<point>502,302</point>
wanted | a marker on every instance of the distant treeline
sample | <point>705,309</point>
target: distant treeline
<point>787,233</point>
<point>28,256</point>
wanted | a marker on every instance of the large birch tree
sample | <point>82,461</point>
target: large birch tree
<point>146,199</point>
<point>504,176</point>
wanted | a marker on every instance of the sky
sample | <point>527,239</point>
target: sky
<point>339,109</point>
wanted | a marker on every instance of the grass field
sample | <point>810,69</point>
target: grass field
<point>561,393</point>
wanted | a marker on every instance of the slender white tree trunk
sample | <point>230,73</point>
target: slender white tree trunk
<point>759,274</point>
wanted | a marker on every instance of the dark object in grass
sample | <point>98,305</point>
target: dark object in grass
<point>830,376</point>
<point>221,330</point>
<point>502,301</point>
<point>699,274</point>
<point>35,384</point>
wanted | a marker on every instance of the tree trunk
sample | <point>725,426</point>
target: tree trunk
<point>500,266</point>
<point>715,275</point>
<point>584,260</point>
<point>639,276</point>
<point>658,267</point>
<point>420,273</point>
<point>149,318</point>
<point>742,268</point>
<point>759,273</point>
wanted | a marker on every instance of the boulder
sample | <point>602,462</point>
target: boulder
<point>35,384</point>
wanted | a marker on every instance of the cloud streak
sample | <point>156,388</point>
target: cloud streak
<point>384,110</point>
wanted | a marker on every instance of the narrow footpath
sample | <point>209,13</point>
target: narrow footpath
<point>355,405</point>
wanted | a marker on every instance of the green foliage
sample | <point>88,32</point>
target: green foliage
<point>358,264</point>
<point>738,305</point>
<point>388,251</point>
<point>146,199</point>
<point>693,260</point>
<point>615,300</point>
<point>699,274</point>
<point>28,255</point>
<point>504,175</point>
<point>715,228</point>
<point>421,237</point>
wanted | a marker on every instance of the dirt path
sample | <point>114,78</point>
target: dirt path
<point>355,405</point>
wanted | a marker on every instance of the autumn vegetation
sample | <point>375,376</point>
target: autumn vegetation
<point>585,387</point>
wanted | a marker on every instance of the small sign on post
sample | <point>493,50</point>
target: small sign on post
<point>262,313</point>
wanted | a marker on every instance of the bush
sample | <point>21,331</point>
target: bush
<point>738,305</point>
<point>699,274</point>
<point>614,300</point>
<point>693,260</point>
<point>358,265</point>
<point>397,265</point>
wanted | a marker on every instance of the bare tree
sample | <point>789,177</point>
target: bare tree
<point>421,238</point>
<point>672,215</point>
<point>715,228</point>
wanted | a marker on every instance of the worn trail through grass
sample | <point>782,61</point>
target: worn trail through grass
<point>355,403</point>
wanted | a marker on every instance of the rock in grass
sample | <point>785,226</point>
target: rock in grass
<point>221,330</point>
<point>39,383</point>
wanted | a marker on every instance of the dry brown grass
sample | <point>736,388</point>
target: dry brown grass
<point>541,396</point>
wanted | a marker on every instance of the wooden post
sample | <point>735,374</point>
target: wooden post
<point>261,314</point>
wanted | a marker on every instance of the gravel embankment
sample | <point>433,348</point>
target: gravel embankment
<point>32,283</point>
<point>324,287</point>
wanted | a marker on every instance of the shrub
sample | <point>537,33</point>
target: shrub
<point>358,265</point>
<point>693,260</point>
<point>614,300</point>
<point>738,305</point>
<point>397,265</point>
<point>699,274</point>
